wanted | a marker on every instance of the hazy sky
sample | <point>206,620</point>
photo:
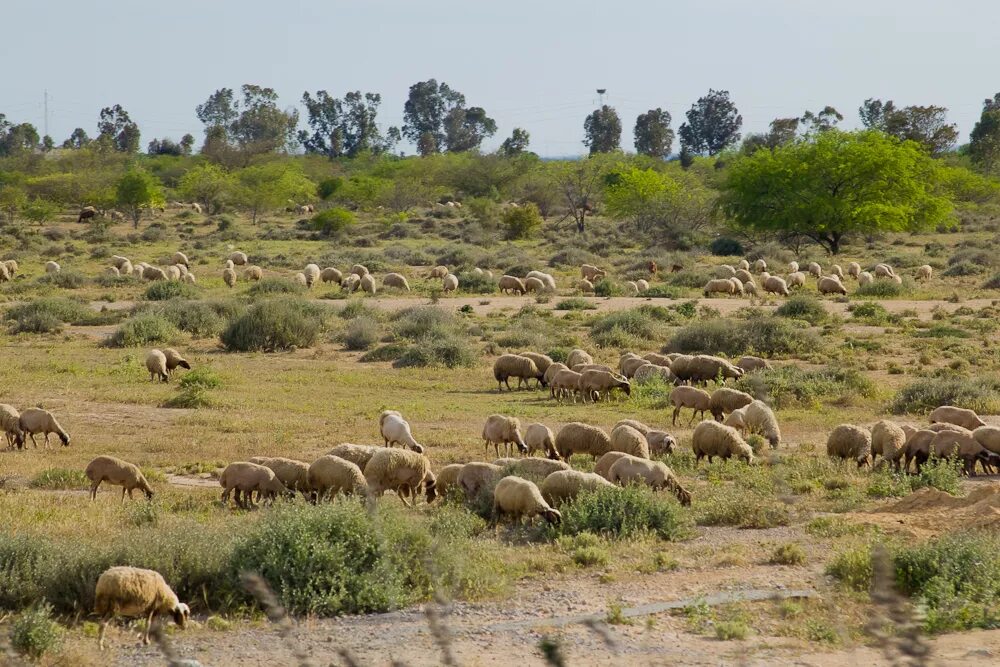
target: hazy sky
<point>534,64</point>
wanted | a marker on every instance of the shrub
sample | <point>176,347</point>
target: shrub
<point>475,283</point>
<point>853,567</point>
<point>161,290</point>
<point>47,315</point>
<point>741,507</point>
<point>64,279</point>
<point>521,222</point>
<point>143,330</point>
<point>446,349</point>
<point>871,312</point>
<point>332,221</point>
<point>964,268</point>
<point>271,286</point>
<point>765,336</point>
<point>59,478</point>
<point>788,554</point>
<point>789,385</point>
<point>575,303</point>
<point>882,289</point>
<point>624,513</point>
<point>201,319</point>
<point>607,287</point>
<point>419,321</point>
<point>726,247</point>
<point>194,388</point>
<point>622,328</point>
<point>803,307</point>
<point>727,630</point>
<point>361,334</point>
<point>992,283</point>
<point>981,394</point>
<point>390,352</point>
<point>34,633</point>
<point>274,325</point>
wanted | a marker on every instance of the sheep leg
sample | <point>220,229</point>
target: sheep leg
<point>33,441</point>
<point>123,495</point>
<point>225,496</point>
<point>496,448</point>
<point>93,489</point>
<point>104,628</point>
<point>677,411</point>
<point>149,626</point>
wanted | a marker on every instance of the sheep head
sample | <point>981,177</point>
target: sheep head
<point>181,613</point>
<point>552,516</point>
<point>430,487</point>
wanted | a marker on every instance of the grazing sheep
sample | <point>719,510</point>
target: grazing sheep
<point>229,277</point>
<point>548,282</point>
<point>642,284</point>
<point>36,420</point>
<point>580,368</point>
<point>565,381</point>
<point>351,282</point>
<point>533,284</point>
<point>952,444</point>
<point>174,359</point>
<point>476,477</point>
<point>131,591</point>
<point>837,271</point>
<point>854,269</point>
<point>126,269</point>
<point>888,441</point>
<point>988,437</point>
<point>438,272</point>
<point>10,420</point>
<point>329,475</point>
<point>359,455</point>
<point>578,356</point>
<point>180,258</point>
<point>173,273</point>
<point>238,258</point>
<point>52,267</point>
<point>565,485</point>
<point>654,474</point>
<point>712,439</point>
<point>661,442</point>
<point>659,359</point>
<point>533,467</point>
<point>580,438</point>
<point>503,430</point>
<point>724,272</point>
<point>626,439</point>
<point>775,285</point>
<point>719,286</point>
<point>292,473</point>
<point>396,430</point>
<point>704,367</point>
<point>632,288</point>
<point>591,273</point>
<point>253,273</point>
<point>111,271</point>
<point>395,280</point>
<point>540,438</point>
<point>946,426</point>
<point>736,419</point>
<point>924,272</point>
<point>512,284</point>
<point>830,285</point>
<point>332,275</point>
<point>368,283</point>
<point>884,271</point>
<point>750,364</point>
<point>515,366</point>
<point>550,373</point>
<point>797,279</point>
<point>603,465</point>
<point>595,382</point>
<point>760,266</point>
<point>679,366</point>
<point>743,265</point>
<point>447,477</point>
<point>311,272</point>
<point>585,286</point>
<point>637,425</point>
<point>725,400</point>
<point>759,419</point>
<point>958,416</point>
<point>793,267</point>
<point>521,499</point>
<point>848,441</point>
<point>360,270</point>
<point>189,278</point>
<point>648,371</point>
<point>156,364</point>
<point>116,471</point>
<point>542,362</point>
<point>918,448</point>
<point>228,264</point>
<point>196,207</point>
<point>865,278</point>
<point>449,283</point>
<point>300,279</point>
<point>246,478</point>
<point>737,285</point>
<point>743,276</point>
<point>815,269</point>
<point>402,471</point>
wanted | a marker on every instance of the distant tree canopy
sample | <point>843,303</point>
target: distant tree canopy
<point>516,143</point>
<point>78,139</point>
<point>117,131</point>
<point>167,146</point>
<point>267,187</point>
<point>345,127</point>
<point>984,142</point>
<point>254,125</point>
<point>16,139</point>
<point>653,136</point>
<point>666,206</point>
<point>435,118</point>
<point>138,190</point>
<point>834,185</point>
<point>821,121</point>
<point>602,130</point>
<point>713,125</point>
<point>925,125</point>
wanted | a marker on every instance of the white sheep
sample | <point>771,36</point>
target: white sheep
<point>865,278</point>
<point>603,465</point>
<point>642,284</point>
<point>500,429</point>
<point>775,285</point>
<point>10,423</point>
<point>959,416</point>
<point>180,258</point>
<point>396,430</point>
<point>332,275</point>
<point>760,266</point>
<point>360,270</point>
<point>516,366</point>
<point>654,474</point>
<point>292,473</point>
<point>330,475</point>
<point>698,400</point>
<point>566,485</point>
<point>300,279</point>
<point>724,400</point>
<point>888,441</point>
<point>924,272</point>
<point>743,265</point>
<point>758,418</point>
<point>447,477</point>
<point>565,381</point>
<point>793,267</point>
<point>395,280</point>
<point>724,272</point>
<point>229,277</point>
<point>532,467</point>
<point>36,420</point>
<point>246,478</point>
<point>521,499</point>
<point>439,271</point>
<point>719,286</point>
<point>238,258</point>
<point>476,477</point>
<point>132,591</point>
<point>595,382</point>
<point>175,360</point>
<point>577,356</point>
<point>580,438</point>
<point>830,285</point>
<point>116,471</point>
<point>189,278</point>
<point>540,438</point>
<point>625,438</point>
<point>359,455</point>
<point>156,364</point>
<point>402,471</point>
<point>52,267</point>
<point>253,273</point>
<point>712,439</point>
<point>585,286</point>
<point>854,269</point>
<point>815,269</point>
<point>311,272</point>
<point>591,272</point>
<point>367,284</point>
<point>512,284</point>
<point>449,283</point>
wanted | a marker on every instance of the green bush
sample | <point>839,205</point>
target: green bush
<point>742,507</point>
<point>853,567</point>
<point>803,307</point>
<point>140,330</point>
<point>871,312</point>
<point>361,333</point>
<point>726,247</point>
<point>624,513</point>
<point>607,287</point>
<point>274,325</point>
<point>34,633</point>
<point>788,554</point>
<point>421,321</point>
<point>273,286</point>
<point>476,283</point>
<point>764,336</point>
<point>787,386</point>
<point>446,349</point>
<point>194,387</point>
<point>981,394</point>
<point>992,283</point>
<point>521,222</point>
<point>64,279</point>
<point>59,478</point>
<point>48,314</point>
<point>575,303</point>
<point>201,319</point>
<point>161,290</point>
<point>882,289</point>
<point>332,221</point>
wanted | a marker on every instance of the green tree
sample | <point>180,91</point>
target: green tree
<point>424,112</point>
<point>821,121</point>
<point>667,206</point>
<point>15,139</point>
<point>137,191</point>
<point>713,124</point>
<point>602,130</point>
<point>78,139</point>
<point>521,222</point>
<point>270,186</point>
<point>516,143</point>
<point>782,131</point>
<point>13,199</point>
<point>927,125</point>
<point>237,130</point>
<point>332,221</point>
<point>117,131</point>
<point>345,127</point>
<point>40,210</point>
<point>465,129</point>
<point>652,133</point>
<point>206,184</point>
<point>984,142</point>
<point>580,184</point>
<point>835,185</point>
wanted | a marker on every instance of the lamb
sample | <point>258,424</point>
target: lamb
<point>725,400</point>
<point>360,270</point>
<point>396,280</point>
<point>654,474</point>
<point>594,382</point>
<point>52,267</point>
<point>815,269</point>
<point>131,591</point>
<point>156,364</point>
<point>952,444</point>
<point>116,471</point>
<point>396,430</point>
<point>290,472</point>
<point>719,286</point>
<point>580,438</point>
<point>229,277</point>
<point>174,359</point>
<point>578,356</point>
<point>329,475</point>
<point>180,258</point>
<point>775,285</point>
<point>36,420</point>
<point>850,442</point>
<point>521,499</point>
<point>924,272</point>
<point>359,455</point>
<point>500,429</point>
<point>246,478</point>
<point>540,438</point>
<point>10,423</point>
<point>585,286</point>
<point>253,273</point>
<point>238,258</point>
<point>311,272</point>
<point>854,269</point>
<point>438,272</point>
<point>724,272</point>
<point>533,284</point>
<point>449,283</point>
<point>447,477</point>
<point>760,266</point>
<point>533,467</point>
<point>831,285</point>
<point>565,381</point>
<point>402,471</point>
<point>698,400</point>
<point>591,272</point>
<point>888,441</point>
<point>958,416</point>
<point>476,477</point>
<point>865,278</point>
<point>565,485</point>
<point>750,364</point>
<point>512,284</point>
<point>514,365</point>
<point>758,418</point>
<point>626,439</point>
<point>712,439</point>
<point>332,275</point>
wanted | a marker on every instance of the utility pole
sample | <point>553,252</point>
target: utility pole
<point>601,92</point>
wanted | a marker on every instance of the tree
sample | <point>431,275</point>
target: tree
<point>602,130</point>
<point>424,113</point>
<point>15,139</point>
<point>667,206</point>
<point>40,210</point>
<point>332,221</point>
<point>117,131</point>
<point>821,121</point>
<point>164,146</point>
<point>927,126</point>
<point>782,131</point>
<point>580,184</point>
<point>653,135</point>
<point>266,187</point>
<point>78,139</point>
<point>516,143</point>
<point>835,185</point>
<point>345,127</point>
<point>13,199</point>
<point>984,142</point>
<point>713,124</point>
<point>465,129</point>
<point>47,143</point>
<point>206,184</point>
<point>187,144</point>
<point>240,129</point>
<point>137,191</point>
<point>521,222</point>
<point>219,110</point>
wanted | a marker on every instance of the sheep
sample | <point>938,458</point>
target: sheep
<point>815,269</point>
<point>661,442</point>
<point>642,284</point>
<point>759,419</point>
<point>637,425</point>
<point>585,286</point>
<point>580,438</point>
<point>311,272</point>
<point>189,278</point>
<point>476,477</point>
<point>591,273</point>
<point>438,272</point>
<point>127,269</point>
<point>629,366</point>
<point>626,439</point>
<point>850,442</point>
<point>228,264</point>
<point>533,284</point>
<point>245,478</point>
<point>533,467</point>
<point>565,485</point>
<point>36,420</point>
<point>540,438</point>
<point>775,285</point>
<point>750,364</point>
<point>837,271</point>
<point>402,471</point>
<point>965,446</point>
<point>654,474</point>
<point>580,368</point>
<point>368,284</point>
<point>888,441</point>
<point>359,455</point>
<point>918,448</point>
<point>512,284</point>
<point>180,258</point>
<point>10,422</point>
<point>196,207</point>
<point>449,283</point>
<point>660,359</point>
<point>238,258</point>
<point>395,280</point>
<point>360,270</point>
<point>351,282</point>
<point>737,285</point>
<point>724,272</point>
<point>793,267</point>
<point>743,276</point>
<point>173,273</point>
<point>760,266</point>
<point>831,285</point>
<point>521,499</point>
<point>865,278</point>
<point>229,277</point>
<point>118,261</point>
<point>712,439</point>
<point>797,279</point>
<point>332,275</point>
<point>719,286</point>
<point>111,271</point>
<point>330,475</point>
<point>946,426</point>
<point>86,213</point>
<point>396,430</point>
<point>704,367</point>
<point>300,279</point>
<point>550,373</point>
<point>253,273</point>
<point>743,265</point>
<point>603,465</point>
<point>883,271</point>
<point>725,400</point>
<point>290,472</point>
<point>924,272</point>
<point>132,591</point>
<point>500,429</point>
<point>988,437</point>
<point>578,356</point>
<point>632,288</point>
<point>736,419</point>
<point>156,364</point>
<point>52,267</point>
<point>565,381</point>
<point>548,282</point>
<point>447,477</point>
<point>542,361</point>
<point>649,371</point>
<point>174,359</point>
<point>958,416</point>
<point>854,269</point>
<point>514,365</point>
<point>116,471</point>
<point>595,382</point>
